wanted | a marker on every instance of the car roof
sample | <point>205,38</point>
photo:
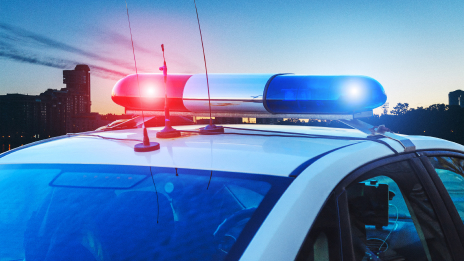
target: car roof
<point>248,151</point>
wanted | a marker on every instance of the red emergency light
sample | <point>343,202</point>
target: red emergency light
<point>126,93</point>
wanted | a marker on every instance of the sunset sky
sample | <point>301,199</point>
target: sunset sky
<point>415,49</point>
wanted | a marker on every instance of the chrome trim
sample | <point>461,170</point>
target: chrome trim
<point>230,93</point>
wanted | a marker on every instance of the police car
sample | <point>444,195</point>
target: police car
<point>240,192</point>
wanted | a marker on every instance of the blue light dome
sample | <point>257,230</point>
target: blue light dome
<point>323,94</point>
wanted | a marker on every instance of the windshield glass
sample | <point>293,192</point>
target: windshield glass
<point>109,212</point>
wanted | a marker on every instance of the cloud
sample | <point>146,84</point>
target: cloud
<point>7,51</point>
<point>110,37</point>
<point>15,35</point>
<point>24,46</point>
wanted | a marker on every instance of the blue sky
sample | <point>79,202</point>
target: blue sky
<point>415,49</point>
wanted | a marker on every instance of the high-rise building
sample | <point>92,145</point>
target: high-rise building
<point>78,86</point>
<point>456,98</point>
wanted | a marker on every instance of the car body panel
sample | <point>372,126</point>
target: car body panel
<point>237,153</point>
<point>252,151</point>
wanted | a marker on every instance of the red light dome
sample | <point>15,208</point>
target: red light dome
<point>149,93</point>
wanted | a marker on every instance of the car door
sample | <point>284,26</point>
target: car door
<point>386,210</point>
<point>446,169</point>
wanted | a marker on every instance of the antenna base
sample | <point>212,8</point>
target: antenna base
<point>168,132</point>
<point>211,129</point>
<point>140,147</point>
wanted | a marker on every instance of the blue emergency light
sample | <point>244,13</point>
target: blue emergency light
<point>323,94</point>
<point>268,95</point>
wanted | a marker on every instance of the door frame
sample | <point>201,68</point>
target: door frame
<point>416,160</point>
<point>457,221</point>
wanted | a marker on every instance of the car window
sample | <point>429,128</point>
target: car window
<point>102,212</point>
<point>322,243</point>
<point>381,223</point>
<point>451,172</point>
<point>392,218</point>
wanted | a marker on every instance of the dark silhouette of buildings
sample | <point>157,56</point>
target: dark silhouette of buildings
<point>456,98</point>
<point>21,116</point>
<point>27,118</point>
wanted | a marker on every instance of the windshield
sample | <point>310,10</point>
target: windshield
<point>109,212</point>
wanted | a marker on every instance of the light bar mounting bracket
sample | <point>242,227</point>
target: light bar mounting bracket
<point>372,131</point>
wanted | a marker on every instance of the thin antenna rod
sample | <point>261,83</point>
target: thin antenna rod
<point>146,145</point>
<point>211,128</point>
<point>204,58</point>
<point>135,62</point>
<point>165,74</point>
<point>168,131</point>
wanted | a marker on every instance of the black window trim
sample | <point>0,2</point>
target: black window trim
<point>441,188</point>
<point>437,202</point>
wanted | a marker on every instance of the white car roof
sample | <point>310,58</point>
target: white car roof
<point>256,152</point>
<point>321,164</point>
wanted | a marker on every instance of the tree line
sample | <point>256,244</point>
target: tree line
<point>438,120</point>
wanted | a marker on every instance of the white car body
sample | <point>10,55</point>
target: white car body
<point>284,230</point>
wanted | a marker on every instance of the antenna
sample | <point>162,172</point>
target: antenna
<point>210,128</point>
<point>146,145</point>
<point>168,131</point>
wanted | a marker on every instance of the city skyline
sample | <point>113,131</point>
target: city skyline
<point>413,49</point>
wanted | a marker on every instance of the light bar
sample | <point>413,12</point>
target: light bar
<point>268,95</point>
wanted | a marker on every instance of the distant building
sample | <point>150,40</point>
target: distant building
<point>78,86</point>
<point>268,120</point>
<point>227,120</point>
<point>456,98</point>
<point>26,118</point>
<point>86,122</point>
<point>55,110</point>
<point>21,116</point>
<point>230,120</point>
